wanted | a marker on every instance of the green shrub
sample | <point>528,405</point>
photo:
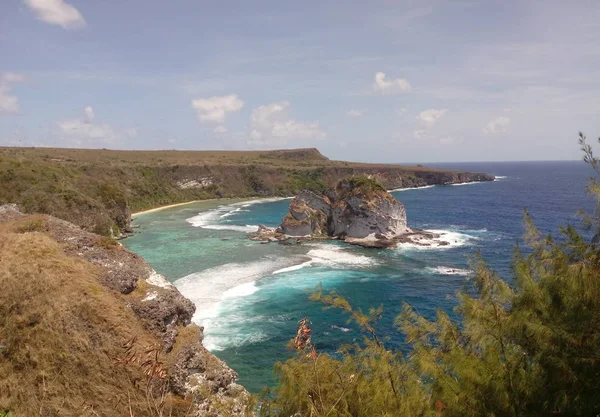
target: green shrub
<point>523,350</point>
<point>34,225</point>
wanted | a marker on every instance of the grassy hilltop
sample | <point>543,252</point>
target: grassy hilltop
<point>97,189</point>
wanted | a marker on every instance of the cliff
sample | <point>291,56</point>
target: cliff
<point>358,210</point>
<point>88,328</point>
<point>98,189</point>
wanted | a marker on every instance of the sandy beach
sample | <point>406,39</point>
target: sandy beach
<point>168,206</point>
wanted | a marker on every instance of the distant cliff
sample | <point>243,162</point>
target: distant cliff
<point>98,189</point>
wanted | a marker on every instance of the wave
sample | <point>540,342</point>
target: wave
<point>341,328</point>
<point>412,188</point>
<point>211,219</point>
<point>331,256</point>
<point>293,267</point>
<point>227,284</point>
<point>465,183</point>
<point>447,239</point>
<point>249,228</point>
<point>445,270</point>
<point>500,177</point>
<point>335,256</point>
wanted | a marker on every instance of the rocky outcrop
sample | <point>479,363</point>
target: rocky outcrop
<point>160,308</point>
<point>359,211</point>
<point>355,209</point>
<point>308,215</point>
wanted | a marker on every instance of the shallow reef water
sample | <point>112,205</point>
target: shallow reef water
<point>249,296</point>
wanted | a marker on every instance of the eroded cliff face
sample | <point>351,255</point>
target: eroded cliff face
<point>97,189</point>
<point>356,208</point>
<point>141,310</point>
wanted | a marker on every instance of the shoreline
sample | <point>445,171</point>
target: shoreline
<point>239,199</point>
<point>169,206</point>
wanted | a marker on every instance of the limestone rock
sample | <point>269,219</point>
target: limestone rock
<point>357,208</point>
<point>308,216</point>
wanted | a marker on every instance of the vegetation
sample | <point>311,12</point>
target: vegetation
<point>365,184</point>
<point>70,345</point>
<point>62,332</point>
<point>527,349</point>
<point>97,189</point>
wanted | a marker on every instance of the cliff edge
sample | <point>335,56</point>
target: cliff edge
<point>88,328</point>
<point>98,189</point>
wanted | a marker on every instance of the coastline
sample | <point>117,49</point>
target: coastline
<point>238,199</point>
<point>169,206</point>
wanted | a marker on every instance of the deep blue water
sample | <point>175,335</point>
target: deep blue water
<point>250,296</point>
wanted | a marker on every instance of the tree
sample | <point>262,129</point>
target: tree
<point>530,349</point>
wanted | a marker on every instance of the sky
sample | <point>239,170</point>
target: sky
<point>375,81</point>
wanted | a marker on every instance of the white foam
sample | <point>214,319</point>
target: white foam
<point>249,228</point>
<point>212,288</point>
<point>293,268</point>
<point>453,239</point>
<point>211,219</point>
<point>335,257</point>
<point>465,183</point>
<point>331,256</point>
<point>412,188</point>
<point>241,290</point>
<point>341,328</point>
<point>445,270</point>
<point>500,177</point>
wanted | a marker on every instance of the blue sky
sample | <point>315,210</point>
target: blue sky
<point>386,81</point>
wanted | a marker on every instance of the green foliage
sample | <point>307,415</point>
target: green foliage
<point>366,380</point>
<point>252,178</point>
<point>530,349</point>
<point>365,184</point>
<point>299,180</point>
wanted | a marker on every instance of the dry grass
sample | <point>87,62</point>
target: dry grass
<point>288,158</point>
<point>63,333</point>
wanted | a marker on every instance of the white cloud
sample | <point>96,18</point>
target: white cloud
<point>271,125</point>
<point>89,114</point>
<point>83,131</point>
<point>57,12</point>
<point>428,119</point>
<point>9,103</point>
<point>220,129</point>
<point>397,86</point>
<point>213,110</point>
<point>498,125</point>
<point>354,113</point>
<point>431,116</point>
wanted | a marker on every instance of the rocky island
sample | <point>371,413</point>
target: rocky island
<point>358,211</point>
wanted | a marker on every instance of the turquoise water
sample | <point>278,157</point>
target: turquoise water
<point>249,296</point>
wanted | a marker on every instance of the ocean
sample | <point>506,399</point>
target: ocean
<point>249,296</point>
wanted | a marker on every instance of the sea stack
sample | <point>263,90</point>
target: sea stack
<point>358,207</point>
<point>358,210</point>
